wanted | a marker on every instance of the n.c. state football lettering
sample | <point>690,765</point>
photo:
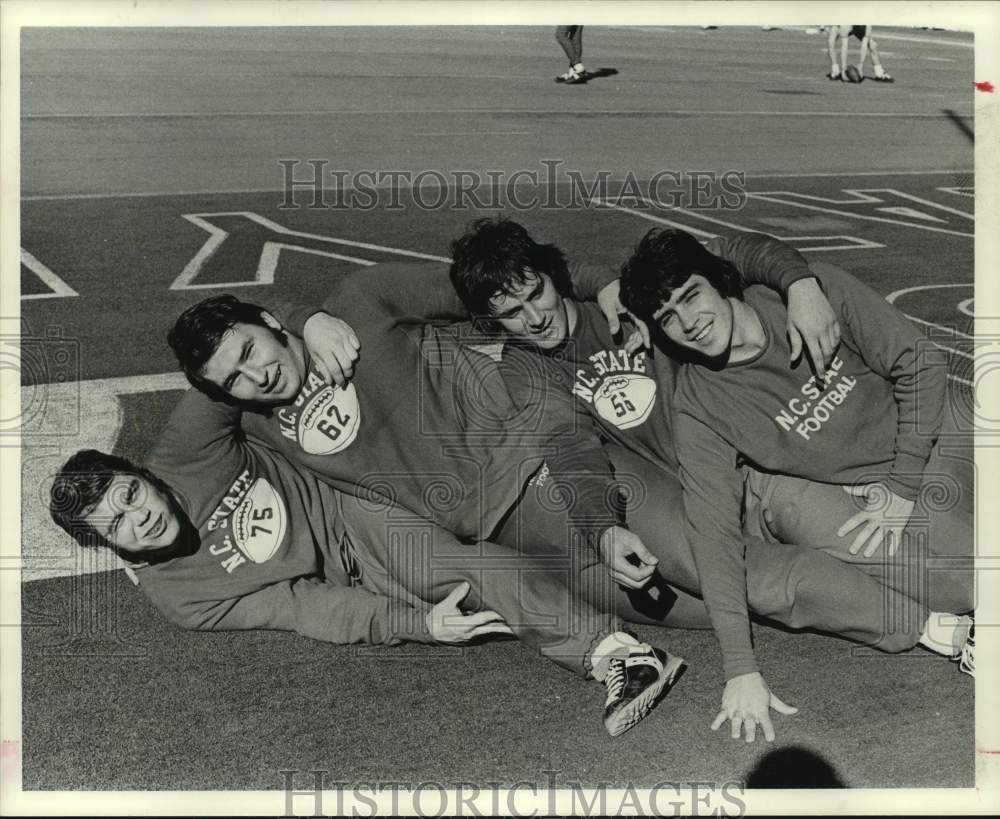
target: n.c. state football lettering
<point>617,386</point>
<point>230,502</point>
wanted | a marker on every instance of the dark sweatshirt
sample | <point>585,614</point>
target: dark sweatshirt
<point>272,549</point>
<point>874,416</point>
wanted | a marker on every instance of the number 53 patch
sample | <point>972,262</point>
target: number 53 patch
<point>625,400</point>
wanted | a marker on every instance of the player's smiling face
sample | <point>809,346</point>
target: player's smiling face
<point>535,312</point>
<point>257,364</point>
<point>135,515</point>
<point>698,318</point>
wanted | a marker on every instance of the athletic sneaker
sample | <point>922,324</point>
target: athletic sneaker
<point>634,684</point>
<point>967,658</point>
<point>569,75</point>
<point>883,78</point>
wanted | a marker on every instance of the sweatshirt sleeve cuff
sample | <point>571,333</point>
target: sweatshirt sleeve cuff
<point>738,665</point>
<point>591,530</point>
<point>794,273</point>
<point>409,624</point>
<point>297,317</point>
<point>907,475</point>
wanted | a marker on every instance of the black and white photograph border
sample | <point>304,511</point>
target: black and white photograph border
<point>151,149</point>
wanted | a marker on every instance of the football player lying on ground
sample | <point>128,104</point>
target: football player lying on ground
<point>222,534</point>
<point>567,370</point>
<point>867,427</point>
<point>791,586</point>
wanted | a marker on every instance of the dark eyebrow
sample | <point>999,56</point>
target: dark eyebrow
<point>243,357</point>
<point>686,289</point>
<point>509,312</point>
<point>539,285</point>
<point>677,296</point>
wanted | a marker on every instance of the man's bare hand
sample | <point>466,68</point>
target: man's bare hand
<point>747,703</point>
<point>812,324</point>
<point>447,623</point>
<point>617,545</point>
<point>612,308</point>
<point>882,520</point>
<point>333,345</point>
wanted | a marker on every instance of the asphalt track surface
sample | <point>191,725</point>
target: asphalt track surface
<point>151,178</point>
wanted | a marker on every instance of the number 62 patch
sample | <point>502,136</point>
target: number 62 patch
<point>330,420</point>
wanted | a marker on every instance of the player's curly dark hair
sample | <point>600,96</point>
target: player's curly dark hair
<point>196,335</point>
<point>664,260</point>
<point>79,486</point>
<point>498,256</point>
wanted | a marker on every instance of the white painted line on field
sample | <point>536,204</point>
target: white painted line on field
<point>878,35</point>
<point>966,307</point>
<point>474,112</point>
<point>925,202</point>
<point>57,287</point>
<point>893,297</point>
<point>961,191</point>
<point>471,133</point>
<point>702,234</point>
<point>961,380</point>
<point>56,197</point>
<point>88,416</point>
<point>798,203</point>
<point>941,327</point>
<point>271,251</point>
<point>850,243</point>
<point>842,174</point>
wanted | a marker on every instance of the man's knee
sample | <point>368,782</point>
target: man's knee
<point>772,593</point>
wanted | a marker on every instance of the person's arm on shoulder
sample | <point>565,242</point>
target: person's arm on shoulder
<point>408,292</point>
<point>812,323</point>
<point>367,304</point>
<point>602,284</point>
<point>589,280</point>
<point>202,435</point>
<point>892,346</point>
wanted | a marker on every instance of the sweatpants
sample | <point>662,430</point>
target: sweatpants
<point>406,557</point>
<point>794,585</point>
<point>935,560</point>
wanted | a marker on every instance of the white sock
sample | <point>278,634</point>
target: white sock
<point>578,68</point>
<point>879,71</point>
<point>616,644</point>
<point>945,633</point>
